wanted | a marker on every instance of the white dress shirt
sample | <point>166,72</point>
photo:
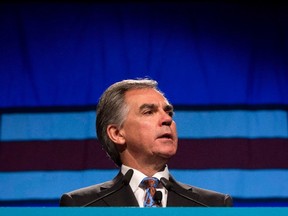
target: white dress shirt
<point>140,192</point>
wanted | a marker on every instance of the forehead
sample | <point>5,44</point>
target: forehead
<point>146,95</point>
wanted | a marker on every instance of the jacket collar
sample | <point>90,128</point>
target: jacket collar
<point>176,200</point>
<point>122,197</point>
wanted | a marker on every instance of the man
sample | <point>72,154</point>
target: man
<point>135,126</point>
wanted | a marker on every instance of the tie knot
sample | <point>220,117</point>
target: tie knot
<point>149,182</point>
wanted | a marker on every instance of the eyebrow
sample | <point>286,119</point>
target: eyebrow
<point>168,107</point>
<point>147,106</point>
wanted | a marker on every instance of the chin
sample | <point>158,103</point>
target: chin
<point>169,154</point>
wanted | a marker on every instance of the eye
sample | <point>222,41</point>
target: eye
<point>171,113</point>
<point>148,112</point>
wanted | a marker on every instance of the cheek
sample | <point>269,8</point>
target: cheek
<point>139,132</point>
<point>174,129</point>
<point>146,128</point>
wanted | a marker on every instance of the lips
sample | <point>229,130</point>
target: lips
<point>166,136</point>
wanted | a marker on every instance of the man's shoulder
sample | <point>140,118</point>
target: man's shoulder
<point>83,195</point>
<point>199,190</point>
<point>206,196</point>
<point>97,188</point>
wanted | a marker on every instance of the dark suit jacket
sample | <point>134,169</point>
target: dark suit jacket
<point>125,197</point>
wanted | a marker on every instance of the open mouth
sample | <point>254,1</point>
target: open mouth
<point>165,136</point>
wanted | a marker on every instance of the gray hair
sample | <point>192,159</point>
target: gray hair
<point>112,109</point>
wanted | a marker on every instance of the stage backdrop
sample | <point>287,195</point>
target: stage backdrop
<point>223,66</point>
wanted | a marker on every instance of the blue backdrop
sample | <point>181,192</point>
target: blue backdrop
<point>223,66</point>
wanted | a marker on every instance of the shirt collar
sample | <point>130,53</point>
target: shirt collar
<point>138,176</point>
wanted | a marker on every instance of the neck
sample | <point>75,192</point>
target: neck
<point>146,168</point>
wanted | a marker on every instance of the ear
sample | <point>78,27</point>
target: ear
<point>115,134</point>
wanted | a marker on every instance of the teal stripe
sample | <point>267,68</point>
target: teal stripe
<point>190,124</point>
<point>238,183</point>
<point>120,211</point>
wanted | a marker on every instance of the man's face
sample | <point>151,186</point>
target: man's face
<point>149,130</point>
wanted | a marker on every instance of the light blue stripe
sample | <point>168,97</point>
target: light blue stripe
<point>225,124</point>
<point>190,124</point>
<point>48,126</point>
<point>48,185</point>
<point>238,183</point>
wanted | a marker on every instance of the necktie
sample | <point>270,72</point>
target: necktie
<point>150,184</point>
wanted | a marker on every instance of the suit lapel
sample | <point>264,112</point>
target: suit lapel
<point>176,200</point>
<point>122,197</point>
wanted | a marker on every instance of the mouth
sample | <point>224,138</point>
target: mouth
<point>166,136</point>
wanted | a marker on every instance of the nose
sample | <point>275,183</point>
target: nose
<point>166,119</point>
